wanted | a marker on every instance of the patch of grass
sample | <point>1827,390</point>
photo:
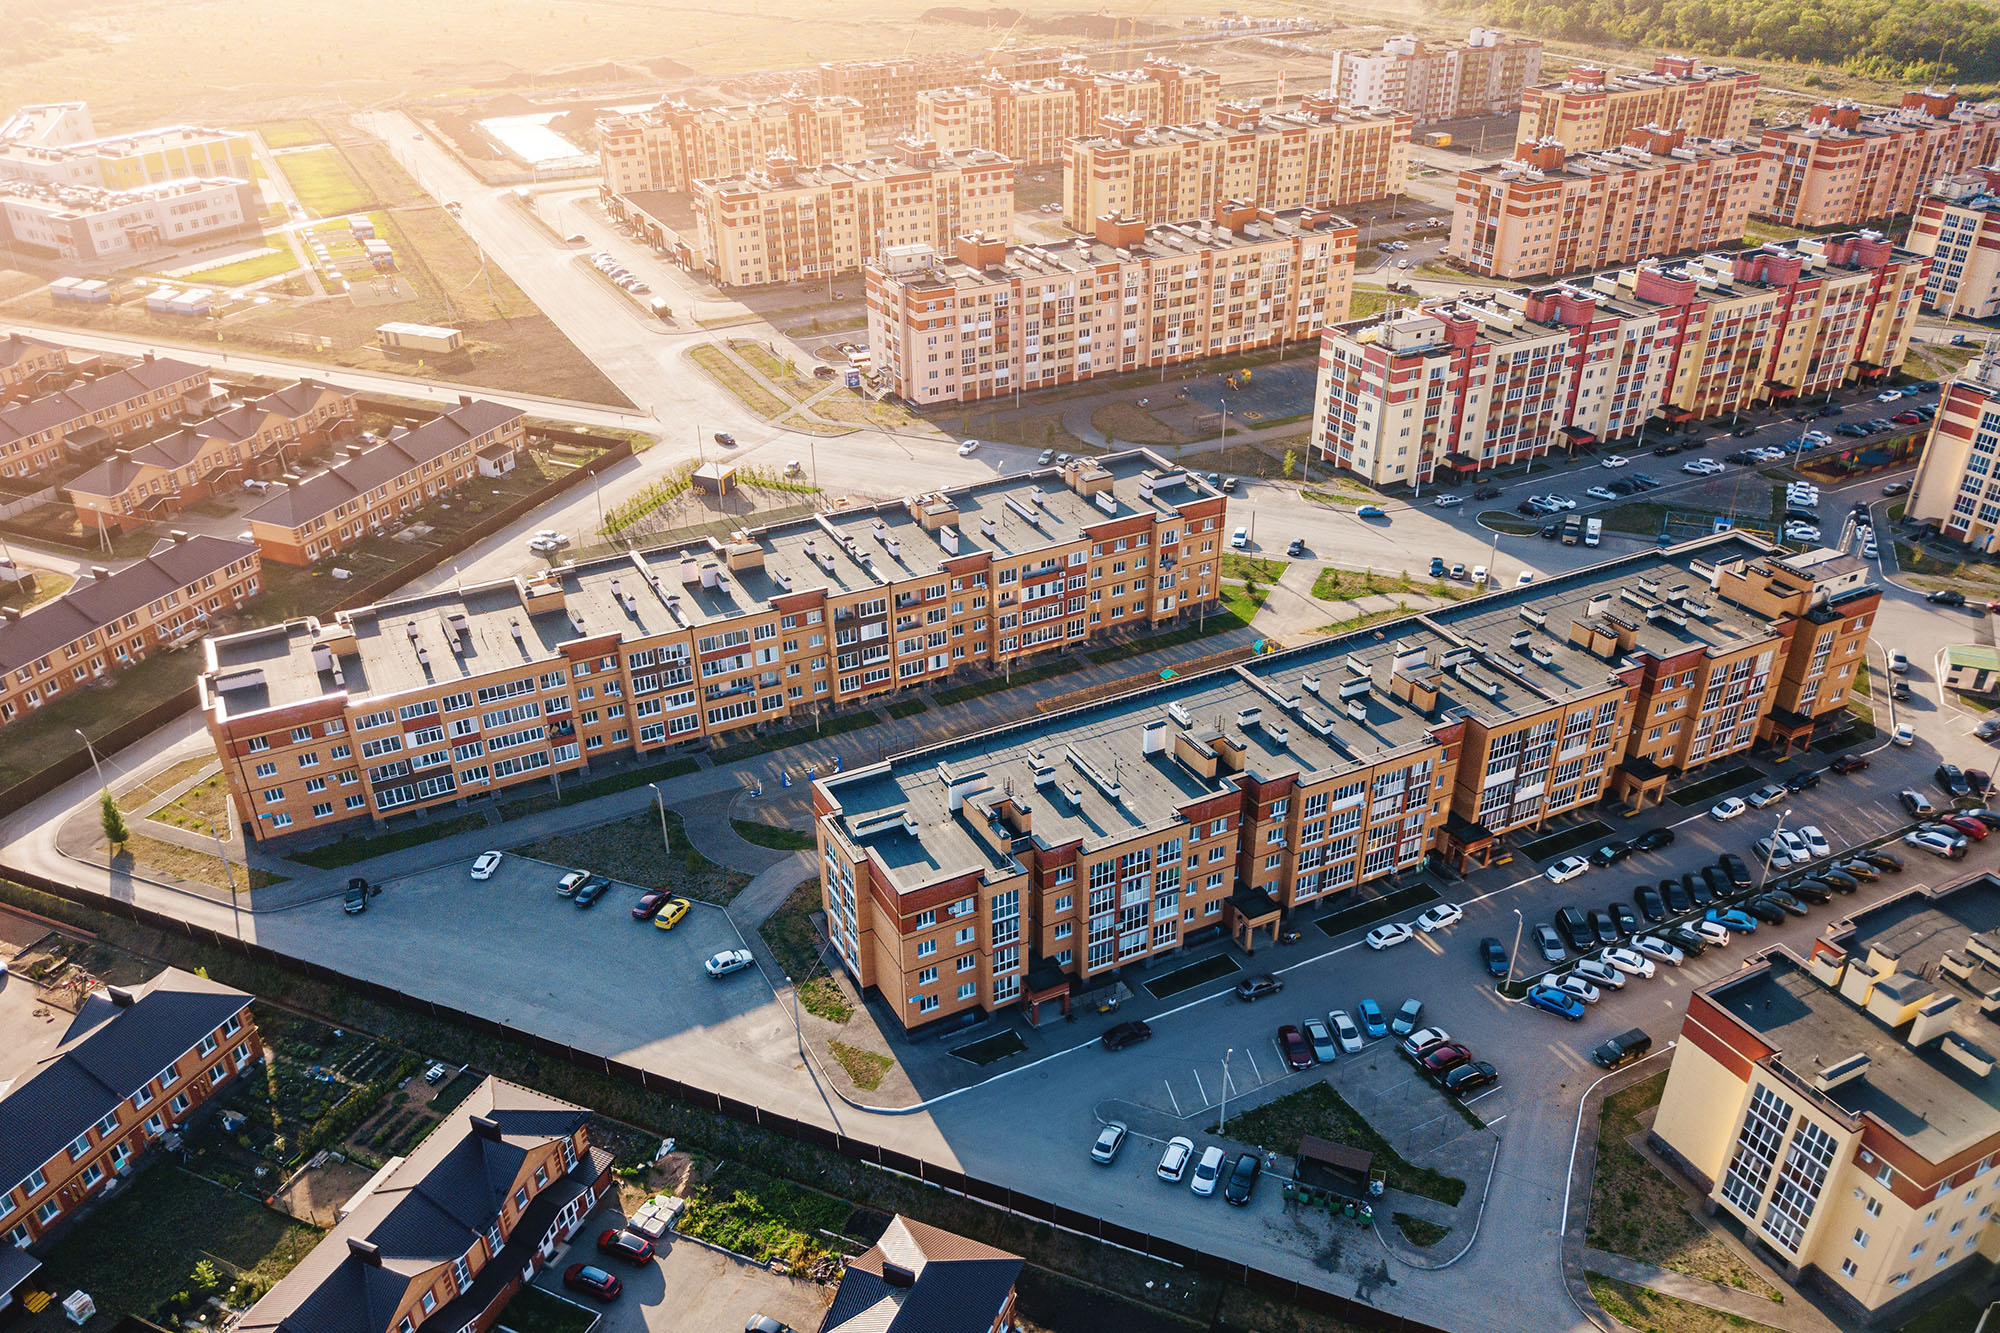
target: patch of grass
<point>903,708</point>
<point>1708,789</point>
<point>734,378</point>
<point>533,1310</point>
<point>1420,1230</point>
<point>958,694</point>
<point>1656,1312</point>
<point>1370,300</point>
<point>866,1068</point>
<point>1320,1111</point>
<point>773,837</point>
<point>1353,623</point>
<point>989,1049</point>
<point>1511,524</point>
<point>48,735</point>
<point>290,133</point>
<point>655,494</point>
<point>1216,622</point>
<point>837,725</point>
<point>205,803</point>
<point>1336,585</point>
<point>607,785</point>
<point>1554,845</point>
<point>1244,600</point>
<point>1371,910</point>
<point>628,849</point>
<point>796,944</point>
<point>1252,568</point>
<point>1129,423</point>
<point>1639,517</point>
<point>251,268</point>
<point>1194,974</point>
<point>144,855</point>
<point>352,849</point>
<point>324,181</point>
<point>1953,1314</point>
<point>763,1217</point>
<point>161,783</point>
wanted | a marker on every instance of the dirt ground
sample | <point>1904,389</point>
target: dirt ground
<point>316,1196</point>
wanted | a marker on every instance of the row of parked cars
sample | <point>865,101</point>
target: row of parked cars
<point>665,910</point>
<point>1238,1179</point>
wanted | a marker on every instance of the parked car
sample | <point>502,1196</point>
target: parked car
<point>1440,916</point>
<point>1630,963</point>
<point>1577,986</point>
<point>1552,1000</point>
<point>1848,763</point>
<point>1388,935</point>
<point>1566,869</point>
<point>1859,869</point>
<point>1652,840</point>
<point>1883,860</point>
<point>1733,868</point>
<point>1732,919</point>
<point>1768,794</point>
<point>1207,1171</point>
<point>1344,1031</point>
<point>630,1246</point>
<point>1406,1017</point>
<point>1129,1033</point>
<point>1469,1078</point>
<point>1971,828</point>
<point>1610,854</point>
<point>1905,734</point>
<point>1715,932</point>
<point>588,892</point>
<point>1109,1140</point>
<point>1651,905</point>
<point>1937,844</point>
<point>1494,955</point>
<point>1676,895</point>
<point>1772,852</point>
<point>1690,942</point>
<point>1815,891</point>
<point>1548,943</point>
<point>1369,1015</point>
<point>1764,909</point>
<point>1423,1039</point>
<point>567,886</point>
<point>1174,1161</point>
<point>592,1281</point>
<point>649,904</point>
<point>1815,841</point>
<point>1599,973</point>
<point>1575,928</point>
<point>1623,919</point>
<point>1951,778</point>
<point>1657,949</point>
<point>483,868</point>
<point>1441,1060</point>
<point>1602,928</point>
<point>1292,1043</point>
<point>1727,809</point>
<point>1916,803</point>
<point>728,961</point>
<point>1805,781</point>
<point>1256,987</point>
<point>1242,1182</point>
<point>1622,1049</point>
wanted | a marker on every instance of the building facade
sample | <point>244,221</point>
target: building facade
<point>1956,488</point>
<point>1031,121</point>
<point>1550,212</point>
<point>887,89</point>
<point>434,699</point>
<point>1322,155</point>
<point>1844,166</point>
<point>1593,109</point>
<point>920,1279</point>
<point>1957,225</point>
<point>128,161</point>
<point>787,222</point>
<point>96,413</point>
<point>29,366</point>
<point>675,144</point>
<point>1484,75</point>
<point>79,222</point>
<point>987,318</point>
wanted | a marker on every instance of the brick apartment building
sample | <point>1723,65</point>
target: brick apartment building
<point>1012,866</point>
<point>445,1237</point>
<point>109,621</point>
<point>1844,166</point>
<point>1025,62</point>
<point>674,144</point>
<point>94,414</point>
<point>1451,387</point>
<point>165,475</point>
<point>986,318</point>
<point>1957,225</point>
<point>1593,108</point>
<point>1484,75</point>
<point>443,697</point>
<point>29,366</point>
<point>1030,121</point>
<point>920,1279</point>
<point>368,488</point>
<point>887,89</point>
<point>1322,155</point>
<point>1840,1108</point>
<point>136,1065</point>
<point>1549,212</point>
<point>789,222</point>
<point>129,161</point>
<point>1956,487</point>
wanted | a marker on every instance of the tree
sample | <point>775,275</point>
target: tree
<point>1291,463</point>
<point>113,818</point>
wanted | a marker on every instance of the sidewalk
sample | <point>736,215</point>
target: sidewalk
<point>1794,1316</point>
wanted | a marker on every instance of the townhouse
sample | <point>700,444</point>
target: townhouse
<point>88,223</point>
<point>1957,225</point>
<point>445,1237</point>
<point>674,144</point>
<point>1844,166</point>
<point>1030,120</point>
<point>789,222</point>
<point>1451,387</point>
<point>92,414</point>
<point>1592,108</point>
<point>109,621</point>
<point>920,1279</point>
<point>1321,155</point>
<point>1842,1108</point>
<point>987,318</point>
<point>126,161</point>
<point>1550,212</point>
<point>165,475</point>
<point>1484,75</point>
<point>370,487</point>
<point>29,365</point>
<point>1957,486</point>
<point>135,1066</point>
<point>887,89</point>
<point>453,694</point>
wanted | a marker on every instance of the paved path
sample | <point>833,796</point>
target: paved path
<point>1795,1316</point>
<point>707,824</point>
<point>767,893</point>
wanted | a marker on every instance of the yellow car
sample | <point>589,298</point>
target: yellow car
<point>670,913</point>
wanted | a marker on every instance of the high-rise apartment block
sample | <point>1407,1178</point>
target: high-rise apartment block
<point>1322,155</point>
<point>1482,76</point>
<point>1593,108</point>
<point>1450,388</point>
<point>1551,212</point>
<point>1957,486</point>
<point>786,222</point>
<point>1958,226</point>
<point>1031,120</point>
<point>887,89</point>
<point>1844,166</point>
<point>673,145</point>
<point>986,318</point>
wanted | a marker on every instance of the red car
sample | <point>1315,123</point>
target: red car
<point>1441,1060</point>
<point>1293,1043</point>
<point>1906,418</point>
<point>649,905</point>
<point>591,1279</point>
<point>629,1246</point>
<point>1849,763</point>
<point>1971,828</point>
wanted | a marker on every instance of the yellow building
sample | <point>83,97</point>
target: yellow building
<point>1593,108</point>
<point>1957,224</point>
<point>1956,486</point>
<point>127,162</point>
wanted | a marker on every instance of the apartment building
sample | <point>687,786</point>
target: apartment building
<point>1957,488</point>
<point>1592,108</point>
<point>1322,155</point>
<point>920,1279</point>
<point>1031,121</point>
<point>372,487</point>
<point>1026,62</point>
<point>135,1065</point>
<point>887,89</point>
<point>86,223</point>
<point>1957,226</point>
<point>1484,75</point>
<point>1841,1107</point>
<point>1451,387</point>
<point>986,318</point>
<point>51,124</point>
<point>166,474</point>
<point>127,161</point>
<point>1844,165</point>
<point>1550,212</point>
<point>446,696</point>
<point>1016,865</point>
<point>28,366</point>
<point>445,1237</point>
<point>674,144</point>
<point>94,414</point>
<point>788,222</point>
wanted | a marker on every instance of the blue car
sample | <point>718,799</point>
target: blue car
<point>1370,1014</point>
<point>1735,920</point>
<point>1552,1001</point>
<point>1370,511</point>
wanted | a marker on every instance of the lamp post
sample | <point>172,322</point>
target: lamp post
<point>229,875</point>
<point>661,801</point>
<point>1519,922</point>
<point>1223,1123</point>
<point>92,751</point>
<point>1773,849</point>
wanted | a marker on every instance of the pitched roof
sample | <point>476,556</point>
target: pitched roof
<point>175,449</point>
<point>15,346</point>
<point>94,603</point>
<point>75,404</point>
<point>955,1285</point>
<point>108,1053</point>
<point>405,449</point>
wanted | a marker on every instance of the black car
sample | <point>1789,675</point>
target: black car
<point>1624,919</point>
<point>1719,888</point>
<point>1786,902</point>
<point>1836,878</point>
<point>1550,531</point>
<point>1882,860</point>
<point>1848,763</point>
<point>1811,891</point>
<point>1858,869</point>
<point>1805,781</point>
<point>1697,888</point>
<point>1945,597</point>
<point>1763,909</point>
<point>1687,941</point>
<point>1652,840</point>
<point>1297,547</point>
<point>588,892</point>
<point>1986,817</point>
<point>1677,897</point>
<point>1603,927</point>
<point>1257,987</point>
<point>1494,955</point>
<point>1576,929</point>
<point>1732,867</point>
<point>1242,1180</point>
<point>1129,1033</point>
<point>1651,905</point>
<point>1952,779</point>
<point>1548,942</point>
<point>724,438</point>
<point>1610,854</point>
<point>1528,507</point>
<point>1469,1078</point>
<point>1665,450</point>
<point>1486,493</point>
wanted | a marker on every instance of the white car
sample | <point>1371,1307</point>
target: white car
<point>1615,460</point>
<point>1174,1161</point>
<point>1768,794</point>
<point>1423,1039</point>
<point>1727,809</point>
<point>1701,467</point>
<point>1382,937</point>
<point>967,448</point>
<point>1712,931</point>
<point>1437,918</point>
<point>487,863</point>
<point>1599,974</point>
<point>1447,501</point>
<point>1899,661</point>
<point>1559,501</point>
<point>1658,950</point>
<point>1344,1031</point>
<point>1815,841</point>
<point>1580,988</point>
<point>1566,870</point>
<point>729,960</point>
<point>1888,395</point>
<point>1526,577</point>
<point>1801,532</point>
<point>567,885</point>
<point>1905,734</point>
<point>1207,1171</point>
<point>1796,845</point>
<point>1628,962</point>
<point>1479,576</point>
<point>1599,493</point>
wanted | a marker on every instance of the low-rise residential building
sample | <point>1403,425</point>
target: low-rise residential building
<point>88,223</point>
<point>166,474</point>
<point>50,124</point>
<point>1842,1107</point>
<point>29,366</point>
<point>790,222</point>
<point>1484,75</point>
<point>94,414</point>
<point>674,144</point>
<point>135,1065</point>
<point>1845,165</point>
<point>1958,226</point>
<point>986,318</point>
<point>887,89</point>
<point>1321,155</point>
<point>445,1237</point>
<point>448,695</point>
<point>1451,387</point>
<point>372,487</point>
<point>123,161</point>
<point>1550,212</point>
<point>920,1279</point>
<point>1957,486</point>
<point>1592,108</point>
<point>1031,121</point>
<point>1016,865</point>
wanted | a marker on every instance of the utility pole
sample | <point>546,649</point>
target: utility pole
<point>1519,922</point>
<point>1222,1124</point>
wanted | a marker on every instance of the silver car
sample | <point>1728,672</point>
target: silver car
<point>1343,1027</point>
<point>1405,1021</point>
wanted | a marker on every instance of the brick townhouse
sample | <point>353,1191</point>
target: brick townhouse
<point>136,1065</point>
<point>28,366</point>
<point>1844,166</point>
<point>1003,867</point>
<point>165,475</point>
<point>93,414</point>
<point>445,697</point>
<point>920,1279</point>
<point>1593,108</point>
<point>445,1237</point>
<point>368,488</point>
<point>109,621</point>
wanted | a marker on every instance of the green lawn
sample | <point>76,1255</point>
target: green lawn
<point>536,1311</point>
<point>1318,1110</point>
<point>324,182</point>
<point>777,839</point>
<point>592,788</point>
<point>628,849</point>
<point>840,723</point>
<point>250,269</point>
<point>763,1217</point>
<point>349,850</point>
<point>1335,585</point>
<point>796,945</point>
<point>290,133</point>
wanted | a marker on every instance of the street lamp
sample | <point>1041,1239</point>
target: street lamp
<point>1223,1123</point>
<point>1519,922</point>
<point>92,751</point>
<point>661,801</point>
<point>229,875</point>
<point>1772,849</point>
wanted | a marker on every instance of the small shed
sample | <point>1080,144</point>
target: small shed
<point>402,336</point>
<point>496,460</point>
<point>1326,1168</point>
<point>715,478</point>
